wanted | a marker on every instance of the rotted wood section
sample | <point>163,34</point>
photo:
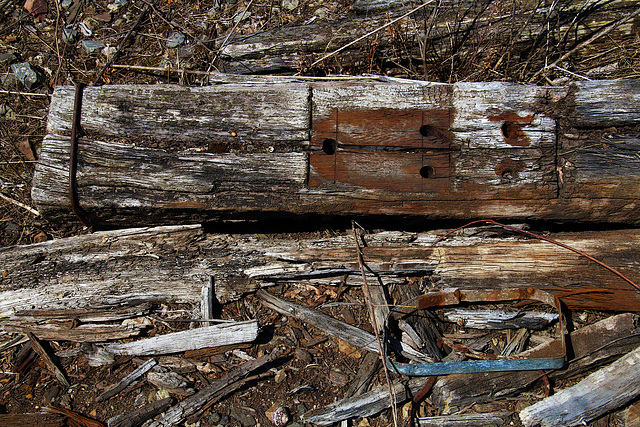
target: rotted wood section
<point>260,147</point>
<point>121,268</point>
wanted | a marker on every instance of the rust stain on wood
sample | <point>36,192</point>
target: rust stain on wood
<point>509,168</point>
<point>512,128</point>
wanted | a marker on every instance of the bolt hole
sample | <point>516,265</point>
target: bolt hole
<point>428,131</point>
<point>512,130</point>
<point>329,146</point>
<point>427,172</point>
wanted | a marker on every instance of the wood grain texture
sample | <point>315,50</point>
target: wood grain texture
<point>468,150</point>
<point>601,392</point>
<point>119,268</point>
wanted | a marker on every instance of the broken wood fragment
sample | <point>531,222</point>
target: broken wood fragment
<point>368,368</point>
<point>32,420</point>
<point>499,319</point>
<point>138,416</point>
<point>172,382</point>
<point>191,405</point>
<point>601,392</point>
<point>128,380</point>
<point>176,342</point>
<point>52,365</point>
<point>467,420</point>
<point>592,346</point>
<point>364,405</point>
<point>80,333</point>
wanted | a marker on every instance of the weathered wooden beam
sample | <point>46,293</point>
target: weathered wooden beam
<point>120,268</point>
<point>601,392</point>
<point>467,420</point>
<point>358,147</point>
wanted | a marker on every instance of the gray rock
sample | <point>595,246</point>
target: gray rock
<point>214,418</point>
<point>66,4</point>
<point>224,419</point>
<point>322,12</point>
<point>8,58</point>
<point>31,77</point>
<point>92,46</point>
<point>70,35</point>
<point>290,4</point>
<point>242,416</point>
<point>175,39</point>
<point>241,16</point>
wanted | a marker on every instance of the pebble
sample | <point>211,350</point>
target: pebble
<point>30,76</point>
<point>241,16</point>
<point>322,12</point>
<point>70,35</point>
<point>175,39</point>
<point>92,46</point>
<point>242,416</point>
<point>214,418</point>
<point>113,7</point>
<point>8,58</point>
<point>281,416</point>
<point>66,4</point>
<point>290,4</point>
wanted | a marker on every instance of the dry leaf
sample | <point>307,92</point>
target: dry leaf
<point>25,148</point>
<point>37,8</point>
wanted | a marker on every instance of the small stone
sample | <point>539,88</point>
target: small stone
<point>322,12</point>
<point>70,35</point>
<point>281,416</point>
<point>8,58</point>
<point>140,400</point>
<point>109,51</point>
<point>280,376</point>
<point>30,76</point>
<point>290,4</point>
<point>92,46</point>
<point>66,4</point>
<point>241,16</point>
<point>113,7</point>
<point>214,418</point>
<point>175,39</point>
<point>242,416</point>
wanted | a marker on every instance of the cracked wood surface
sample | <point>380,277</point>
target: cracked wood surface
<point>172,263</point>
<point>259,148</point>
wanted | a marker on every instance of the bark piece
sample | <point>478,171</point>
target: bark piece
<point>368,368</point>
<point>175,342</point>
<point>599,393</point>
<point>128,380</point>
<point>591,346</point>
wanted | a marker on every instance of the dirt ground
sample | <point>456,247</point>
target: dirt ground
<point>321,368</point>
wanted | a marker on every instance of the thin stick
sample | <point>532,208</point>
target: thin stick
<point>22,205</point>
<point>144,13</point>
<point>12,92</point>
<point>224,43</point>
<point>51,365</point>
<point>546,239</point>
<point>606,30</point>
<point>371,33</point>
<point>374,323</point>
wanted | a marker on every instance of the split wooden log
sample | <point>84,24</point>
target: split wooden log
<point>120,268</point>
<point>591,347</point>
<point>264,149</point>
<point>601,392</point>
<point>364,405</point>
<point>499,319</point>
<point>193,339</point>
<point>81,333</point>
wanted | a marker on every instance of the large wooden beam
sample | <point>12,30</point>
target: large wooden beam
<point>173,263</point>
<point>169,154</point>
